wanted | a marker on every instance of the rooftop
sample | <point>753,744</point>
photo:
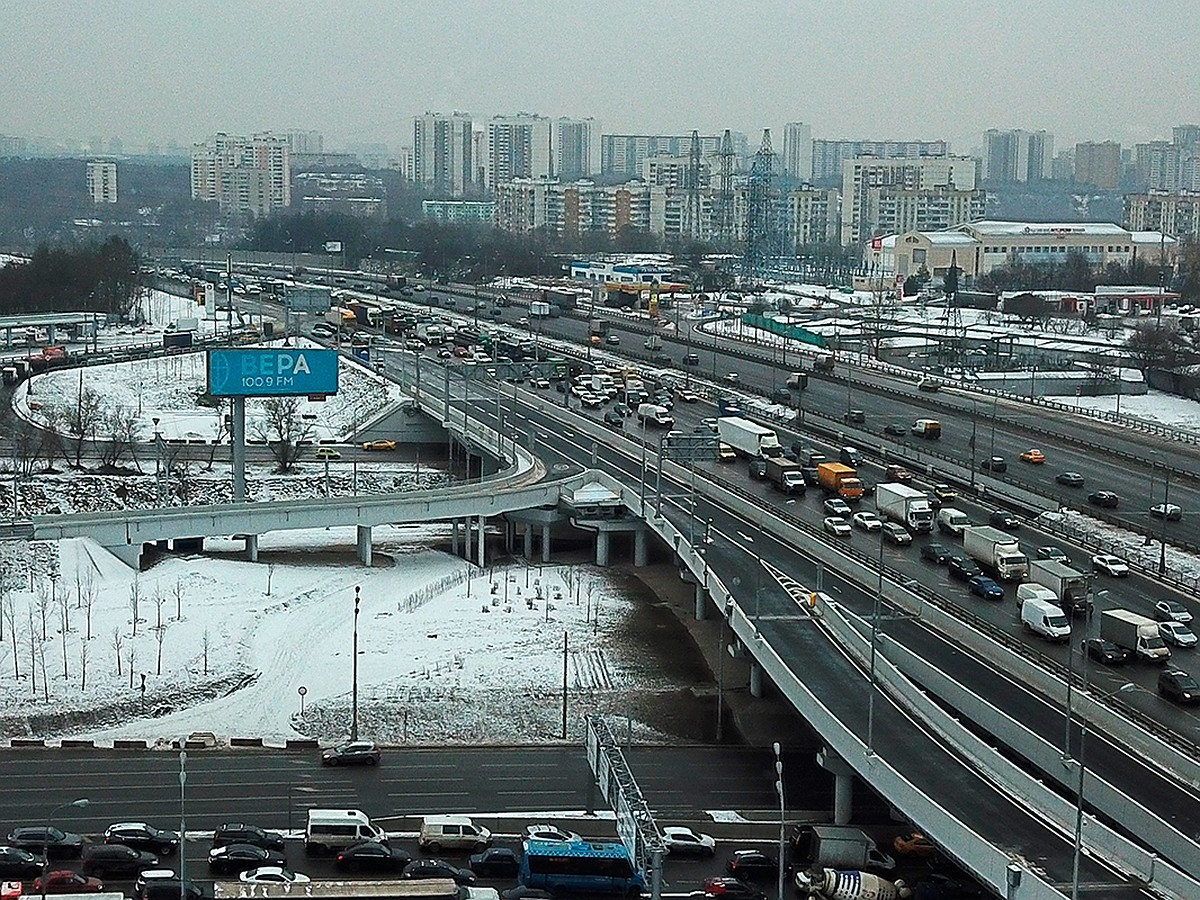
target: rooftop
<point>1016,229</point>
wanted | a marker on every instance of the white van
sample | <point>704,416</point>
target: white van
<point>330,830</point>
<point>952,521</point>
<point>1031,591</point>
<point>1046,619</point>
<point>452,833</point>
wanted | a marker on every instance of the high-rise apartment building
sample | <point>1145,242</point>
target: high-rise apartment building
<point>1098,164</point>
<point>888,196</point>
<point>302,141</point>
<point>797,150</point>
<point>243,175</point>
<point>102,180</point>
<point>443,153</point>
<point>1159,165</point>
<point>623,154</point>
<point>1175,214</point>
<point>1016,157</point>
<point>828,156</point>
<point>576,148</point>
<point>518,147</point>
<point>1186,136</point>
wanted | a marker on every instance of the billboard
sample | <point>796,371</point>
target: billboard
<point>272,372</point>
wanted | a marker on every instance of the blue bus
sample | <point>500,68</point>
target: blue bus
<point>567,868</point>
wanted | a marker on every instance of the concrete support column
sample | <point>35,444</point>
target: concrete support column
<point>509,536</point>
<point>364,544</point>
<point>479,555</point>
<point>843,785</point>
<point>252,547</point>
<point>528,541</point>
<point>545,543</point>
<point>130,554</point>
<point>701,609</point>
<point>640,545</point>
<point>756,675</point>
<point>602,547</point>
<point>454,537</point>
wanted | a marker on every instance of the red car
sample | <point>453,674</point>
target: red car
<point>67,882</point>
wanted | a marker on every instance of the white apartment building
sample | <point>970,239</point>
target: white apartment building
<point>1017,156</point>
<point>525,204</point>
<point>304,141</point>
<point>576,148</point>
<point>518,147</point>
<point>102,181</point>
<point>623,154</point>
<point>886,196</point>
<point>243,175</point>
<point>828,156</point>
<point>443,148</point>
<point>1175,214</point>
<point>797,150</point>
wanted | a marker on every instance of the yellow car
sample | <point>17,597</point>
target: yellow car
<point>379,445</point>
<point>1033,456</point>
<point>327,453</point>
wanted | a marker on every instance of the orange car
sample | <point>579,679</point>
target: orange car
<point>1033,455</point>
<point>913,844</point>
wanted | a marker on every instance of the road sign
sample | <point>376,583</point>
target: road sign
<point>272,372</point>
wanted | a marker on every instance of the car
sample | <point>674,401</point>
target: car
<point>541,384</point>
<point>757,469</point>
<point>867,521</point>
<point>686,396</point>
<point>415,345</point>
<point>896,534</point>
<point>141,836</point>
<point>327,453</point>
<point>895,429</point>
<point>272,875</point>
<point>929,385</point>
<point>354,753</point>
<point>913,843</point>
<point>733,378</point>
<point>853,416</point>
<point>897,474</point>
<point>985,587</point>
<point>379,445</point>
<point>1033,455</point>
<point>994,464</point>
<point>372,856</point>
<point>1104,499</point>
<point>730,889</point>
<point>241,833</point>
<point>164,884</point>
<point>812,478</point>
<point>1168,512</point>
<point>613,340</point>
<point>1003,519</point>
<point>935,553</point>
<point>495,862</point>
<point>1103,651</point>
<point>836,506</point>
<point>1069,479</point>
<point>836,525</point>
<point>444,353</point>
<point>1176,633</point>
<point>229,859</point>
<point>1178,685</point>
<point>437,868</point>
<point>1110,565</point>
<point>590,401</point>
<point>524,320</point>
<point>691,359</point>
<point>751,865</point>
<point>685,842</point>
<point>16,863</point>
<point>1057,554</point>
<point>116,859</point>
<point>962,568</point>
<point>614,419</point>
<point>64,881</point>
<point>545,832</point>
<point>1167,610</point>
<point>521,892</point>
<point>943,493</point>
<point>54,842</point>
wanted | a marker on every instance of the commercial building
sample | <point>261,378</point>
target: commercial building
<point>576,148</point>
<point>623,154</point>
<point>883,196</point>
<point>797,151</point>
<point>102,180</point>
<point>442,153</point>
<point>1176,214</point>
<point>518,147</point>
<point>473,211</point>
<point>243,175</point>
<point>1098,164</point>
<point>1016,157</point>
<point>828,156</point>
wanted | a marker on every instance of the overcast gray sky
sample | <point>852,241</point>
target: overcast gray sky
<point>165,70</point>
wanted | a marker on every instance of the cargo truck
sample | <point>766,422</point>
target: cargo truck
<point>838,846</point>
<point>1069,586</point>
<point>996,551</point>
<point>840,479</point>
<point>653,343</point>
<point>653,414</point>
<point>539,309</point>
<point>930,429</point>
<point>748,438</point>
<point>906,505</point>
<point>785,475</point>
<point>1135,633</point>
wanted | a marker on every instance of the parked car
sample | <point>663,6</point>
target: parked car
<point>1104,499</point>
<point>521,892</point>
<point>836,525</point>
<point>1166,610</point>
<point>836,506</point>
<point>962,568</point>
<point>1167,511</point>
<point>56,843</point>
<point>354,753</point>
<point>116,859</point>
<point>935,553</point>
<point>273,875</point>
<point>730,889</point>
<point>141,836</point>
<point>685,842</point>
<point>1069,479</point>
<point>16,864</point>
<point>985,587</point>
<point>1176,633</point>
<point>1178,685</point>
<point>896,534</point>
<point>1033,455</point>
<point>495,862</point>
<point>751,865</point>
<point>913,843</point>
<point>437,868</point>
<point>372,856</point>
<point>1002,518</point>
<point>867,521</point>
<point>545,832</point>
<point>241,833</point>
<point>229,859</point>
<point>1110,565</point>
<point>1103,651</point>
<point>66,882</point>
<point>994,464</point>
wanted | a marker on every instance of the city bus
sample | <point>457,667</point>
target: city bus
<point>565,868</point>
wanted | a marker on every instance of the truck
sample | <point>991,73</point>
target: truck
<point>1135,633</point>
<point>906,505</point>
<point>840,479</point>
<point>653,343</point>
<point>785,475</point>
<point>345,889</point>
<point>930,429</point>
<point>563,299</point>
<point>179,339</point>
<point>598,327</point>
<point>1069,586</point>
<point>539,309</point>
<point>996,551</point>
<point>748,438</point>
<point>1046,618</point>
<point>653,414</point>
<point>831,884</point>
<point>837,847</point>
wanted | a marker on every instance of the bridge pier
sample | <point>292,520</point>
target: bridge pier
<point>701,611</point>
<point>528,541</point>
<point>843,785</point>
<point>130,554</point>
<point>601,547</point>
<point>454,537</point>
<point>252,547</point>
<point>364,544</point>
<point>479,556</point>
<point>640,545</point>
<point>756,678</point>
<point>545,543</point>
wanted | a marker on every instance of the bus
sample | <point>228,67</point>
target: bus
<point>565,868</point>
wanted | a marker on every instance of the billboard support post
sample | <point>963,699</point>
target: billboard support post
<point>237,439</point>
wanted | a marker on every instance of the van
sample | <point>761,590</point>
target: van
<point>1045,618</point>
<point>1030,591</point>
<point>952,521</point>
<point>440,833</point>
<point>330,830</point>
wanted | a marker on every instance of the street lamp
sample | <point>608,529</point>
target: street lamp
<point>182,826</point>
<point>157,459</point>
<point>779,792</point>
<point>354,670</point>
<point>874,643</point>
<point>78,804</point>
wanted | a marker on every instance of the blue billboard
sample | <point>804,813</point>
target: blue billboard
<point>272,372</point>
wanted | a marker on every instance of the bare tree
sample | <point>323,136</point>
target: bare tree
<point>270,575</point>
<point>130,658</point>
<point>43,605</point>
<point>204,645</point>
<point>118,641</point>
<point>160,633</point>
<point>135,597</point>
<point>41,652</point>
<point>284,431</point>
<point>178,591</point>
<point>33,643</point>
<point>51,444</point>
<point>64,604</point>
<point>159,599</point>
<point>8,610</point>
<point>82,420</point>
<point>83,661</point>
<point>3,596</point>
<point>221,429</point>
<point>120,431</point>
<point>87,596</point>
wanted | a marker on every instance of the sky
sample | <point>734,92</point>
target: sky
<point>358,70</point>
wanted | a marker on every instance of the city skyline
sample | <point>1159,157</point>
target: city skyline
<point>359,73</point>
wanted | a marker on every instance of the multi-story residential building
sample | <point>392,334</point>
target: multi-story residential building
<point>350,193</point>
<point>442,153</point>
<point>1174,214</point>
<point>102,180</point>
<point>883,196</point>
<point>828,156</point>
<point>1098,164</point>
<point>672,172</point>
<point>525,204</point>
<point>1016,157</point>
<point>1186,136</point>
<point>243,175</point>
<point>576,148</point>
<point>518,147</point>
<point>798,151</point>
<point>13,146</point>
<point>623,154</point>
<point>1159,165</point>
<point>474,211</point>
<point>302,141</point>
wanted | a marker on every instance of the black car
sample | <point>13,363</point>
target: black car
<point>1104,499</point>
<point>1104,651</point>
<point>229,859</point>
<point>372,856</point>
<point>355,753</point>
<point>896,429</point>
<point>1004,519</point>
<point>1070,479</point>
<point>856,416</point>
<point>58,844</point>
<point>521,892</point>
<point>935,553</point>
<point>1178,685</point>
<point>141,836</point>
<point>614,419</point>
<point>752,865</point>
<point>758,469</point>
<point>163,884</point>
<point>993,464</point>
<point>962,567</point>
<point>495,862</point>
<point>691,359</point>
<point>116,859</point>
<point>438,868</point>
<point>810,476</point>
<point>240,833</point>
<point>16,863</point>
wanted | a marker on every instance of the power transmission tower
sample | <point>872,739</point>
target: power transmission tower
<point>725,217</point>
<point>691,210</point>
<point>759,208</point>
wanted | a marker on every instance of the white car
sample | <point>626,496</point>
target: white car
<point>1166,610</point>
<point>590,400</point>
<point>836,506</point>
<point>867,521</point>
<point>542,384</point>
<point>684,841</point>
<point>524,320</point>
<point>1110,565</point>
<point>1176,633</point>
<point>273,875</point>
<point>836,525</point>
<point>545,832</point>
<point>687,396</point>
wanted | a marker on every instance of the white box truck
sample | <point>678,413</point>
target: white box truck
<point>1135,633</point>
<point>996,551</point>
<point>748,438</point>
<point>1045,618</point>
<point>539,309</point>
<point>1069,586</point>
<point>653,414</point>
<point>906,505</point>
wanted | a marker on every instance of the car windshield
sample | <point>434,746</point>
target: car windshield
<point>1155,643</point>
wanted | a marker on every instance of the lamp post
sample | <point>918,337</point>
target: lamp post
<point>157,459</point>
<point>779,792</point>
<point>354,671</point>
<point>182,826</point>
<point>1162,531</point>
<point>874,642</point>
<point>974,423</point>
<point>78,804</point>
